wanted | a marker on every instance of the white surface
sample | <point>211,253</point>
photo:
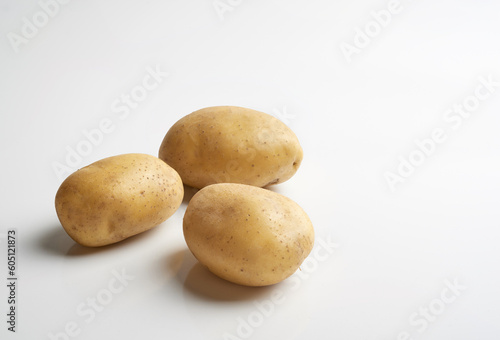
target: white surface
<point>395,250</point>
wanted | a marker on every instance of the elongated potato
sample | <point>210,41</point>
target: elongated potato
<point>247,235</point>
<point>117,197</point>
<point>229,144</point>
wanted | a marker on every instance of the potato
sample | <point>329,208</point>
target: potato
<point>229,144</point>
<point>117,197</point>
<point>247,235</point>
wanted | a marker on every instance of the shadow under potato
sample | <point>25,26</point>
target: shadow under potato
<point>202,283</point>
<point>189,192</point>
<point>56,241</point>
<point>79,250</point>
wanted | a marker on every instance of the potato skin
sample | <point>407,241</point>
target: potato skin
<point>247,235</point>
<point>229,144</point>
<point>117,197</point>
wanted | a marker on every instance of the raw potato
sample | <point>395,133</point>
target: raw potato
<point>247,235</point>
<point>117,197</point>
<point>229,144</point>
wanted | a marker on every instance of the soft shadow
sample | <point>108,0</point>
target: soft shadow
<point>179,263</point>
<point>276,188</point>
<point>55,241</point>
<point>201,283</point>
<point>79,250</point>
<point>189,192</point>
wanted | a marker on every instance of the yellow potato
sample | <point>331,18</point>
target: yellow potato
<point>229,144</point>
<point>247,235</point>
<point>117,197</point>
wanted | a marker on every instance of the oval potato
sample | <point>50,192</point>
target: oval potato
<point>247,235</point>
<point>117,197</point>
<point>229,144</point>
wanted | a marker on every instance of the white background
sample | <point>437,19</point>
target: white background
<point>396,251</point>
